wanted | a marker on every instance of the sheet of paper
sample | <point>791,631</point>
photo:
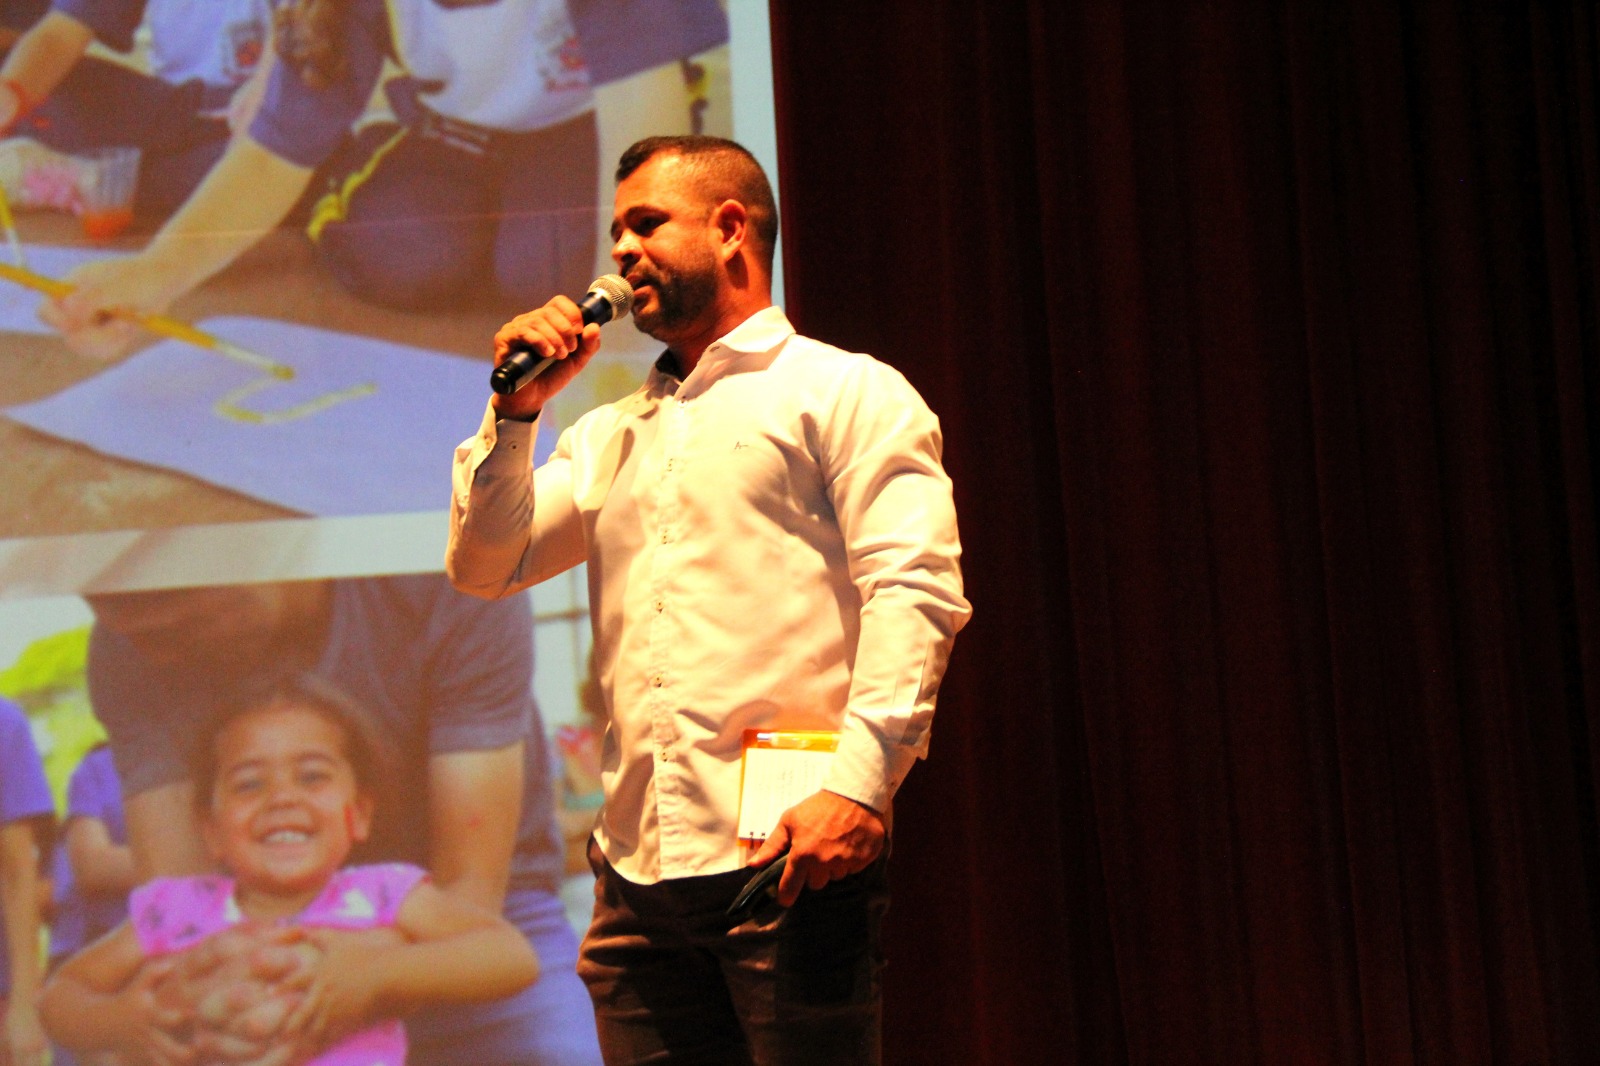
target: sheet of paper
<point>775,779</point>
<point>386,451</point>
<point>19,305</point>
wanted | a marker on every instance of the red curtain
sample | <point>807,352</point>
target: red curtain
<point>1264,339</point>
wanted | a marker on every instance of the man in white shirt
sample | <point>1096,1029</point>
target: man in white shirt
<point>771,544</point>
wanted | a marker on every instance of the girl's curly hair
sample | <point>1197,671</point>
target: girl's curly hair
<point>371,757</point>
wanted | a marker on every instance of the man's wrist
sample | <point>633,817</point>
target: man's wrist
<point>859,803</point>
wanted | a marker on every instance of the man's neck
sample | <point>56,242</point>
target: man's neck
<point>688,351</point>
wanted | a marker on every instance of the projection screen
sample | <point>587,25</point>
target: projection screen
<point>306,258</point>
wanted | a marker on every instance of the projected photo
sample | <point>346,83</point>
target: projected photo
<point>254,253</point>
<point>114,706</point>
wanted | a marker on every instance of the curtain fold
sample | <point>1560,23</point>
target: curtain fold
<point>1264,339</point>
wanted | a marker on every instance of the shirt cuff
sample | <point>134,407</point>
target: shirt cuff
<point>516,430</point>
<point>505,440</point>
<point>867,773</point>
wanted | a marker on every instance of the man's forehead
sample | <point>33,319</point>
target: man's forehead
<point>663,181</point>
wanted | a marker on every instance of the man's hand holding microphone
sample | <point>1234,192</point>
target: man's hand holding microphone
<point>537,353</point>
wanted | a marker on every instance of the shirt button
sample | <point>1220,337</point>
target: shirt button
<point>656,681</point>
<point>660,606</point>
<point>665,536</point>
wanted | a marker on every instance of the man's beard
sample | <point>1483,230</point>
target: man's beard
<point>682,298</point>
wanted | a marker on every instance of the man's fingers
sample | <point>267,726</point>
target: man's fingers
<point>551,330</point>
<point>297,1018</point>
<point>157,970</point>
<point>262,1020</point>
<point>557,338</point>
<point>281,1055</point>
<point>214,1008</point>
<point>277,963</point>
<point>792,881</point>
<point>215,951</point>
<point>168,1019</point>
<point>589,339</point>
<point>168,1051</point>
<point>228,1047</point>
<point>772,847</point>
<point>568,310</point>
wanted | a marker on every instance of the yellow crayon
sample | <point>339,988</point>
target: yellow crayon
<point>10,225</point>
<point>163,325</point>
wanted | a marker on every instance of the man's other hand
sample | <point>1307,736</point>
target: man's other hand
<point>827,837</point>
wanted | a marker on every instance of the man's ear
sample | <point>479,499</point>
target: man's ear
<point>732,223</point>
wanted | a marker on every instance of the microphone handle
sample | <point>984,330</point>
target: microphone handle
<point>523,365</point>
<point>519,368</point>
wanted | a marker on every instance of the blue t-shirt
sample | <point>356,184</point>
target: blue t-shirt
<point>82,917</point>
<point>24,793</point>
<point>440,672</point>
<point>217,42</point>
<point>614,39</point>
<point>622,37</point>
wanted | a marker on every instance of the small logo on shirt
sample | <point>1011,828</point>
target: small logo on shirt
<point>246,42</point>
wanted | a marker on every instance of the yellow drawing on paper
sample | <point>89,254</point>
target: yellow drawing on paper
<point>229,406</point>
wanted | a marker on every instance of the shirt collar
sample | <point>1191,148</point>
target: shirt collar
<point>760,334</point>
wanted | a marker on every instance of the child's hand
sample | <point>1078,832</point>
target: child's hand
<point>157,1024</point>
<point>341,994</point>
<point>97,318</point>
<point>239,987</point>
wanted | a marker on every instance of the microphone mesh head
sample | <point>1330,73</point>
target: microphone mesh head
<point>617,292</point>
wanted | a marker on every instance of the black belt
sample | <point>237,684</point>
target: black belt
<point>462,136</point>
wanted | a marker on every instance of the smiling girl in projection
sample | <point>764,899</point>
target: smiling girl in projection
<point>286,789</point>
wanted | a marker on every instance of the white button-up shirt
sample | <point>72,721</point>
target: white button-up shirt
<point>771,545</point>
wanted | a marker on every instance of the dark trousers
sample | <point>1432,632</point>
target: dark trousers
<point>417,217</point>
<point>672,982</point>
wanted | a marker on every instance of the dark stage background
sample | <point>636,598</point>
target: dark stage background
<point>1264,339</point>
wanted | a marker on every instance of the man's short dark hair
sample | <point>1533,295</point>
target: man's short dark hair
<point>723,170</point>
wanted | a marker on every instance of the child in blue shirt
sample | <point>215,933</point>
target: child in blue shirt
<point>27,818</point>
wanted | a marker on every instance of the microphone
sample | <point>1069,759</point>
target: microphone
<point>608,297</point>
